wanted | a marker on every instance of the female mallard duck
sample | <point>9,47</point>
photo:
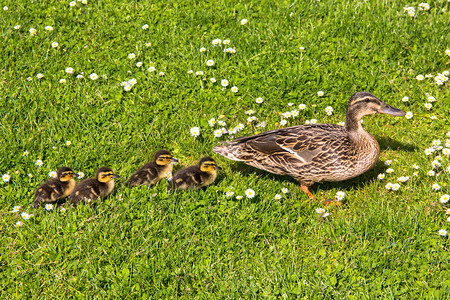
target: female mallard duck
<point>93,188</point>
<point>153,171</point>
<point>55,188</point>
<point>195,177</point>
<point>315,152</point>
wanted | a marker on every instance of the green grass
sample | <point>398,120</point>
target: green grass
<point>147,243</point>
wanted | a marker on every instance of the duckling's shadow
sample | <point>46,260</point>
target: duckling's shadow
<point>386,142</point>
<point>356,182</point>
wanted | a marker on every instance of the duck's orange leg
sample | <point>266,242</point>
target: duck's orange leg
<point>305,189</point>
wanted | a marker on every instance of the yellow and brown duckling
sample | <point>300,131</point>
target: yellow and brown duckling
<point>197,176</point>
<point>93,188</point>
<point>55,188</point>
<point>315,152</point>
<point>153,171</point>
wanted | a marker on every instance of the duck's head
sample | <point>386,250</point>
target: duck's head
<point>163,157</point>
<point>105,174</point>
<point>208,165</point>
<point>65,174</point>
<point>365,103</point>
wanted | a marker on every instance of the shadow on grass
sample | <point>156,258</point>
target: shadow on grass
<point>388,143</point>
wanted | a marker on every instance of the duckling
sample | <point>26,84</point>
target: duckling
<point>93,188</point>
<point>315,152</point>
<point>55,188</point>
<point>195,177</point>
<point>153,171</point>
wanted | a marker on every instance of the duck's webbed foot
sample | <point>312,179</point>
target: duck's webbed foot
<point>305,189</point>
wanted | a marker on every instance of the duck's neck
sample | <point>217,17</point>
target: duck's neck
<point>354,127</point>
<point>362,140</point>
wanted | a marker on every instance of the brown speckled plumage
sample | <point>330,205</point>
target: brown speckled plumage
<point>315,152</point>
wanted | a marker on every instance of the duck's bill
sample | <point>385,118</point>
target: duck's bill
<point>389,110</point>
<point>174,160</point>
<point>218,168</point>
<point>116,176</point>
<point>75,175</point>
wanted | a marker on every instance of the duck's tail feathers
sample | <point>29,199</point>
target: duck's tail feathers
<point>229,151</point>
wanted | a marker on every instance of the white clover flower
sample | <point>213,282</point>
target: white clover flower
<point>30,175</point>
<point>239,197</point>
<point>216,42</point>
<point>6,177</point>
<point>203,49</point>
<point>403,179</point>
<point>226,42</point>
<point>431,99</point>
<point>72,4</point>
<point>93,76</point>
<point>139,64</point>
<point>277,197</point>
<point>286,114</point>
<point>415,166</point>
<point>195,131</point>
<point>161,73</point>
<point>405,99</point>
<point>250,193</point>
<point>240,126</point>
<point>234,89</point>
<point>127,87</point>
<point>409,115</point>
<point>428,106</point>
<point>435,187</point>
<point>222,123</point>
<point>395,187</point>
<point>284,190</point>
<point>131,55</point>
<point>62,80</point>
<point>261,124</point>
<point>29,78</point>
<point>443,232</point>
<point>151,69</point>
<point>329,110</point>
<point>295,113</point>
<point>218,133</point>
<point>447,212</point>
<point>17,27</point>
<point>148,44</point>
<point>251,119</point>
<point>283,122</point>
<point>341,124</point>
<point>388,162</point>
<point>48,207</point>
<point>16,208</point>
<point>320,210</point>
<point>32,31</point>
<point>79,76</point>
<point>244,21</point>
<point>381,176</point>
<point>145,26</point>
<point>39,163</point>
<point>249,112</point>
<point>229,194</point>
<point>320,93</point>
<point>25,216</point>
<point>80,175</point>
<point>52,174</point>
<point>40,75</point>
<point>313,121</point>
<point>213,80</point>
<point>19,224</point>
<point>55,44</point>
<point>390,170</point>
<point>210,63</point>
<point>229,50</point>
<point>302,106</point>
<point>446,151</point>
<point>431,173</point>
<point>444,199</point>
<point>212,122</point>
<point>388,186</point>
<point>447,52</point>
<point>224,83</point>
<point>420,77</point>
<point>436,142</point>
<point>340,195</point>
<point>199,73</point>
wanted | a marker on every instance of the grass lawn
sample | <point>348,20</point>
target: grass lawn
<point>104,83</point>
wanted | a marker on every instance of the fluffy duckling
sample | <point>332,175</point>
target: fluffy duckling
<point>195,177</point>
<point>55,188</point>
<point>153,171</point>
<point>93,188</point>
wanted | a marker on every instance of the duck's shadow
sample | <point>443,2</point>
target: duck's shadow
<point>357,182</point>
